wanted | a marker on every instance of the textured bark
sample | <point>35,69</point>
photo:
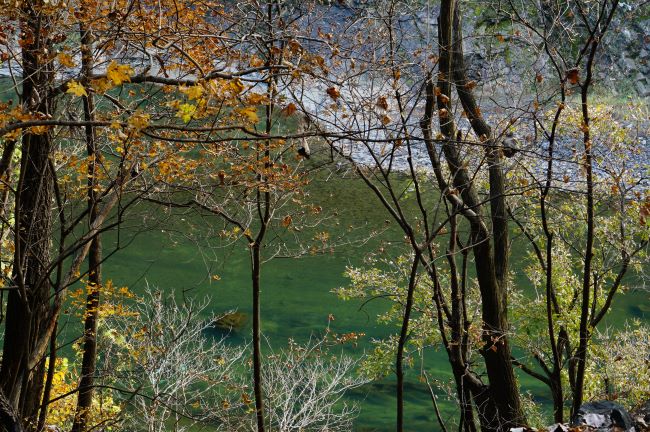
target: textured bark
<point>29,313</point>
<point>9,421</point>
<point>399,358</point>
<point>499,404</point>
<point>89,360</point>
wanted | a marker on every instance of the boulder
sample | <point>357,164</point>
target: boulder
<point>558,427</point>
<point>641,417</point>
<point>642,89</point>
<point>603,416</point>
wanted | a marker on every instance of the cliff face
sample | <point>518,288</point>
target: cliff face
<point>628,50</point>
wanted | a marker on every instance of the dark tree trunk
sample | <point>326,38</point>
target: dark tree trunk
<point>29,312</point>
<point>399,358</point>
<point>499,404</point>
<point>88,365</point>
<point>256,262</point>
<point>9,420</point>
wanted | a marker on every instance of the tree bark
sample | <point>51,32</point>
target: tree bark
<point>257,345</point>
<point>399,358</point>
<point>9,420</point>
<point>502,406</point>
<point>89,360</point>
<point>28,307</point>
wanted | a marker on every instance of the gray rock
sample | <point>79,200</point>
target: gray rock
<point>558,427</point>
<point>641,417</point>
<point>603,416</point>
<point>627,64</point>
<point>627,34</point>
<point>642,89</point>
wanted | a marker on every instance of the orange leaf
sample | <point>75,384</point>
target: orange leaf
<point>382,102</point>
<point>286,221</point>
<point>333,93</point>
<point>573,75</point>
<point>289,109</point>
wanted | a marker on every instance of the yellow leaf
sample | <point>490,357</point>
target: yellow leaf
<point>139,120</point>
<point>119,73</point>
<point>286,221</point>
<point>256,98</point>
<point>193,92</point>
<point>65,60</point>
<point>101,85</point>
<point>76,89</point>
<point>186,111</point>
<point>251,114</point>
<point>236,86</point>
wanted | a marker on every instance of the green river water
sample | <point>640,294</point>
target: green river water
<point>296,296</point>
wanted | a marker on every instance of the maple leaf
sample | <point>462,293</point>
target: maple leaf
<point>333,93</point>
<point>101,85</point>
<point>65,60</point>
<point>193,92</point>
<point>256,61</point>
<point>251,114</point>
<point>140,121</point>
<point>382,102</point>
<point>186,111</point>
<point>573,75</point>
<point>256,98</point>
<point>76,89</point>
<point>236,86</point>
<point>119,73</point>
<point>289,109</point>
<point>286,221</point>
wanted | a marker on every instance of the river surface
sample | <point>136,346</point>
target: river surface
<point>296,295</point>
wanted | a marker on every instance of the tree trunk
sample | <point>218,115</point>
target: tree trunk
<point>85,398</point>
<point>29,313</point>
<point>500,408</point>
<point>256,262</point>
<point>399,358</point>
<point>28,307</point>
